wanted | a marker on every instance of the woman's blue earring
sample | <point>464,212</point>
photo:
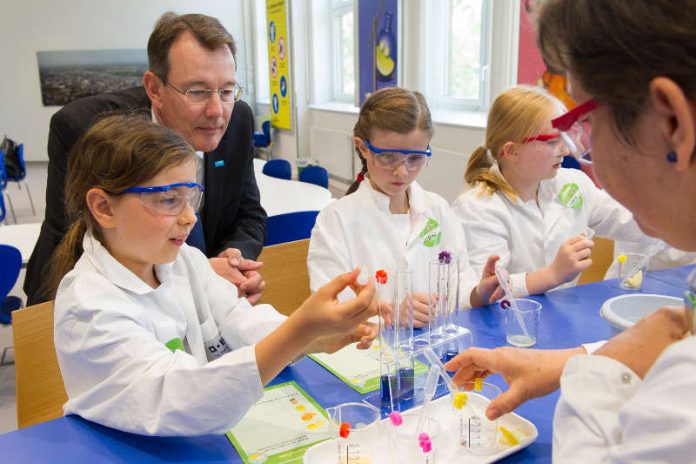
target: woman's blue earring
<point>672,157</point>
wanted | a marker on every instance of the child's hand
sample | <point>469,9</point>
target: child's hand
<point>421,309</point>
<point>363,335</point>
<point>321,314</point>
<point>488,290</point>
<point>572,258</point>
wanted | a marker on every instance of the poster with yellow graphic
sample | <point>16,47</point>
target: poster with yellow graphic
<point>279,63</point>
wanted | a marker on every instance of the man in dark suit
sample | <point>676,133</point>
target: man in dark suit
<point>191,87</point>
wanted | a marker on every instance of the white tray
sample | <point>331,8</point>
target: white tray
<point>325,452</point>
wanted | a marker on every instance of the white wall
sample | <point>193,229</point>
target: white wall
<point>47,25</point>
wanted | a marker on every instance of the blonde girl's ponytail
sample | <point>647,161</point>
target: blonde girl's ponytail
<point>516,114</point>
<point>483,168</point>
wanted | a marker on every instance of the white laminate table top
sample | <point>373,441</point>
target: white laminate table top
<point>22,237</point>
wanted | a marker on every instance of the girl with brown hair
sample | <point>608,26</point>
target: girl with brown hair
<point>149,338</point>
<point>388,221</point>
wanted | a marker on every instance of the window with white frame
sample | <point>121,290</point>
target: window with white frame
<point>262,81</point>
<point>342,50</point>
<point>458,57</point>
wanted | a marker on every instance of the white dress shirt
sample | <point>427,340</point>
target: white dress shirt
<point>110,334</point>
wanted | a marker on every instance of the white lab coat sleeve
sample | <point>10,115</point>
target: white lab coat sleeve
<point>608,217</point>
<point>329,254</point>
<point>240,323</point>
<point>486,234</point>
<point>586,421</point>
<point>118,374</point>
<point>607,414</point>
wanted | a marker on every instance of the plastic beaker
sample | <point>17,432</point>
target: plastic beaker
<point>632,270</point>
<point>354,427</point>
<point>477,434</point>
<point>521,324</point>
<point>405,446</point>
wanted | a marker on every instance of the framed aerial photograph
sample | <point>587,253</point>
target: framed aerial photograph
<point>69,75</point>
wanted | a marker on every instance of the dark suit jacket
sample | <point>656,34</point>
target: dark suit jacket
<point>232,215</point>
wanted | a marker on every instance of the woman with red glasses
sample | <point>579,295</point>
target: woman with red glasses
<point>633,64</point>
<point>524,207</point>
<point>387,220</point>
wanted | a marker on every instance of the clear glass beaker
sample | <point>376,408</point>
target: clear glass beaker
<point>354,427</point>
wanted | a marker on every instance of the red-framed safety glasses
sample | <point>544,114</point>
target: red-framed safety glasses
<point>576,131</point>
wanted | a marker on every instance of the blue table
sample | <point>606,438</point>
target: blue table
<point>569,317</point>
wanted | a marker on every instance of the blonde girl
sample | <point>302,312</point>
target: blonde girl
<point>522,206</point>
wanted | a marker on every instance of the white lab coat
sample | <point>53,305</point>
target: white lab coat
<point>607,414</point>
<point>110,335</point>
<point>527,235</point>
<point>359,231</point>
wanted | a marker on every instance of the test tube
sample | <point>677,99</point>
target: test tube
<point>403,308</point>
<point>438,291</point>
<point>387,340</point>
<point>451,331</point>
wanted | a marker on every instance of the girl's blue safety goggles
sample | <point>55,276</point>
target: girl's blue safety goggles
<point>391,158</point>
<point>171,199</point>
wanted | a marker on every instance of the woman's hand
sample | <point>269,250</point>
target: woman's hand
<point>529,373</point>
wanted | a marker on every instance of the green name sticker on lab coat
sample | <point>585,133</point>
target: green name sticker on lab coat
<point>431,233</point>
<point>570,196</point>
<point>175,344</point>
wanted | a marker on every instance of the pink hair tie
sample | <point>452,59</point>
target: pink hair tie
<point>361,177</point>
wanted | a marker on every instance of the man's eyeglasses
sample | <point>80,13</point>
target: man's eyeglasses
<point>576,131</point>
<point>171,199</point>
<point>392,158</point>
<point>196,95</point>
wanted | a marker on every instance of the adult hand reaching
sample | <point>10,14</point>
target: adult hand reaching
<point>529,373</point>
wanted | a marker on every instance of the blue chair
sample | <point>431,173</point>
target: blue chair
<point>315,175</point>
<point>3,185</point>
<point>3,175</point>
<point>289,227</point>
<point>11,260</point>
<point>262,139</point>
<point>3,212</point>
<point>279,168</point>
<point>22,177</point>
